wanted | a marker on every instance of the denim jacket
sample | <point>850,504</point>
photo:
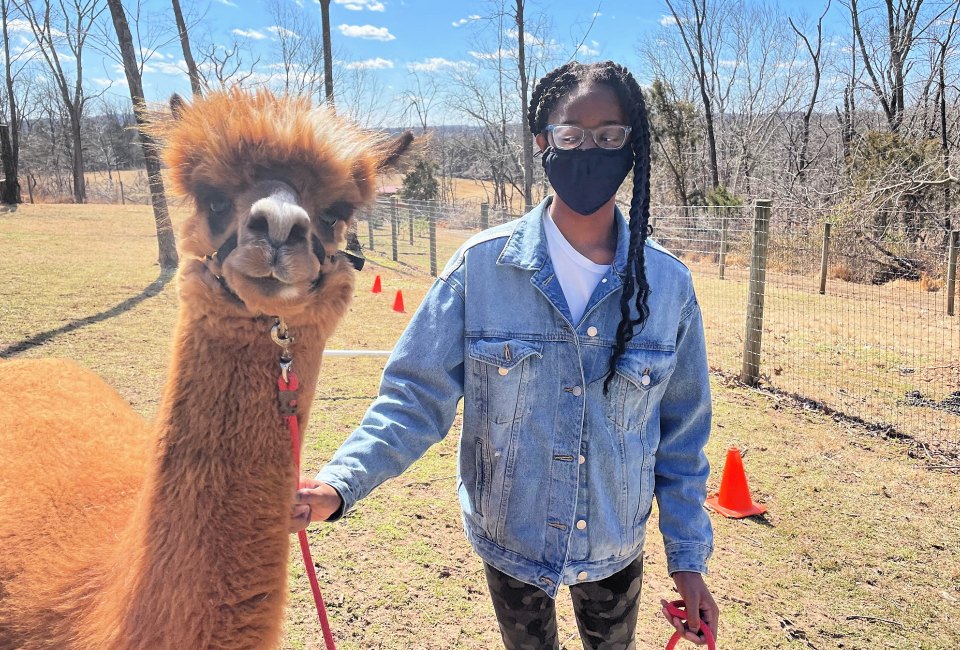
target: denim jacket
<point>556,479</point>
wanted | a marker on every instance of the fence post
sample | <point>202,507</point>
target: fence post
<point>432,224</point>
<point>370,229</point>
<point>723,241</point>
<point>952,272</point>
<point>394,227</point>
<point>410,211</point>
<point>484,216</point>
<point>753,328</point>
<point>825,258</point>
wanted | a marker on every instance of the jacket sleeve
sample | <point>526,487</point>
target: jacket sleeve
<point>421,386</point>
<point>681,464</point>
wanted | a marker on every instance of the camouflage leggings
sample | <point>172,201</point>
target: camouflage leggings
<point>606,611</point>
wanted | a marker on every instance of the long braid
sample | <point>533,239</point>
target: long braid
<point>549,90</point>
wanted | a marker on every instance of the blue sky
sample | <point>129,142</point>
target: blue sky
<point>390,37</point>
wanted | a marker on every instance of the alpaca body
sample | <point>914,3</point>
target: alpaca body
<point>184,525</point>
<point>120,535</point>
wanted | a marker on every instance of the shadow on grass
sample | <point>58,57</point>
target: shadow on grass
<point>151,290</point>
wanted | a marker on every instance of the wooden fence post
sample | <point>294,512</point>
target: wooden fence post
<point>753,327</point>
<point>825,258</point>
<point>723,241</point>
<point>370,239</point>
<point>432,224</point>
<point>394,227</point>
<point>484,216</point>
<point>410,211</point>
<point>952,272</point>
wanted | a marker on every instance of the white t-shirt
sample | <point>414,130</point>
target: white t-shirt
<point>578,276</point>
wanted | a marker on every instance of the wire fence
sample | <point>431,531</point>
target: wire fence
<point>856,319</point>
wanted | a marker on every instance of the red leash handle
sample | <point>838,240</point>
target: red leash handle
<point>288,408</point>
<point>678,608</point>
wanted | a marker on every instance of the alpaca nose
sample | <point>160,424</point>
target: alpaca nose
<point>280,222</point>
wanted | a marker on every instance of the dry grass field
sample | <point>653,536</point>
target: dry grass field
<point>860,548</point>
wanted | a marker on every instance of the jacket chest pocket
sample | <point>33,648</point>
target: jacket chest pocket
<point>501,369</point>
<point>640,379</point>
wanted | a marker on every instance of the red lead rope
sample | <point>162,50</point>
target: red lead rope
<point>288,407</point>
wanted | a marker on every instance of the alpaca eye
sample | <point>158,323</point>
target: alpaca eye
<point>220,205</point>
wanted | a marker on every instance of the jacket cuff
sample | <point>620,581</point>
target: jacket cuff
<point>347,501</point>
<point>688,556</point>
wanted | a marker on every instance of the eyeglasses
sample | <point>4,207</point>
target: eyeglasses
<point>568,136</point>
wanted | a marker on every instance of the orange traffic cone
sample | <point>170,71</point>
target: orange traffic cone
<point>376,286</point>
<point>398,302</point>
<point>734,497</point>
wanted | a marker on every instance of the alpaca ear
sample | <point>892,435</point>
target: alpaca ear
<point>388,155</point>
<point>177,106</point>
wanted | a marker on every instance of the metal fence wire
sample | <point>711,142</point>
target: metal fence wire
<point>856,319</point>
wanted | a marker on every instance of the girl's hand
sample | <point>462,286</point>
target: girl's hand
<point>315,501</point>
<point>700,607</point>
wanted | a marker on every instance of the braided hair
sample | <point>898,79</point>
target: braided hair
<point>549,90</point>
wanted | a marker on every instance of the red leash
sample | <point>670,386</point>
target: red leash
<point>678,608</point>
<point>288,385</point>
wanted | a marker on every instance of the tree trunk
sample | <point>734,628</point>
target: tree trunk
<point>79,182</point>
<point>10,132</point>
<point>165,237</point>
<point>525,99</point>
<point>10,193</point>
<point>327,52</point>
<point>187,55</point>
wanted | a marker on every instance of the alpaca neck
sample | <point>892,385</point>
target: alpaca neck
<point>210,541</point>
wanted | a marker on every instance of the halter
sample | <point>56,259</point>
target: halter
<point>356,260</point>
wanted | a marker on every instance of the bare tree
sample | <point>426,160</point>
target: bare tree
<point>227,65</point>
<point>524,101</point>
<point>187,53</point>
<point>11,116</point>
<point>131,67</point>
<point>816,56</point>
<point>887,60</point>
<point>700,25</point>
<point>300,48</point>
<point>76,19</point>
<point>327,51</point>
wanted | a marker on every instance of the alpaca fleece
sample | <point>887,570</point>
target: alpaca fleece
<point>120,534</point>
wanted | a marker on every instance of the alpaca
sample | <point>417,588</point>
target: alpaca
<point>118,535</point>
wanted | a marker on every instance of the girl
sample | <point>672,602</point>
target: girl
<point>577,346</point>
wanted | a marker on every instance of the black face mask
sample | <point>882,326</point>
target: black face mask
<point>587,178</point>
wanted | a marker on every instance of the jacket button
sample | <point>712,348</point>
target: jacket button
<point>577,391</point>
<point>645,380</point>
<point>583,459</point>
<point>591,331</point>
<point>583,575</point>
<point>581,524</point>
<point>503,371</point>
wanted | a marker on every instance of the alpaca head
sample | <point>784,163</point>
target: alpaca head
<point>274,184</point>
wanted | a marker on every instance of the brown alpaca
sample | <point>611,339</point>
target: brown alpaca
<point>118,535</point>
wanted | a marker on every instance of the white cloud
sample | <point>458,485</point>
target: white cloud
<point>667,20</point>
<point>366,31</point>
<point>597,14</point>
<point>163,67</point>
<point>502,53</point>
<point>360,5</point>
<point>103,83</point>
<point>228,3</point>
<point>282,31</point>
<point>433,64</point>
<point>464,21</point>
<point>528,38</point>
<point>590,50</point>
<point>249,33</point>
<point>371,64</point>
